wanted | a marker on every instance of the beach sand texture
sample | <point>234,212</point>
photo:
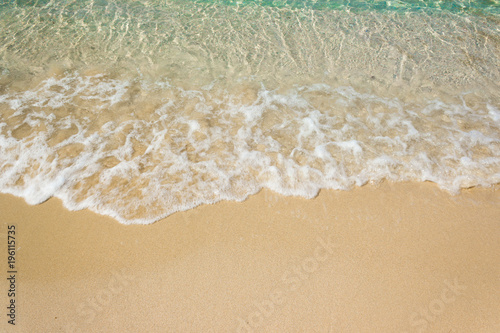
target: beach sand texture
<point>250,166</point>
<point>405,257</point>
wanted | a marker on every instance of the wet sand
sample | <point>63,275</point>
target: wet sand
<point>403,257</point>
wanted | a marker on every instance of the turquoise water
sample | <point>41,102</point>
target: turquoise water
<point>401,6</point>
<point>139,109</point>
<point>404,6</point>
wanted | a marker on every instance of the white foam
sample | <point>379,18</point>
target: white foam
<point>287,142</point>
<point>494,113</point>
<point>351,146</point>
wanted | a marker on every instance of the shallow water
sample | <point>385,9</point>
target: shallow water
<point>139,109</point>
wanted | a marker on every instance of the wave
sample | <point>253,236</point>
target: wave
<point>140,151</point>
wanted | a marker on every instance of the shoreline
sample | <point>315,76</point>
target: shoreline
<point>405,257</point>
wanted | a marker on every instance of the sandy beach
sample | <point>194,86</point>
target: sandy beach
<point>250,166</point>
<point>405,257</point>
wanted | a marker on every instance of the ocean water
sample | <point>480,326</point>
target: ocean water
<point>139,109</point>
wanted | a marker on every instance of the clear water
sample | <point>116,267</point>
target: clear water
<point>139,109</point>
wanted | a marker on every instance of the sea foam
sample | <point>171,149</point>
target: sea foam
<point>140,109</point>
<point>81,139</point>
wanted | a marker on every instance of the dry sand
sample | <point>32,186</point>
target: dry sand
<point>401,257</point>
